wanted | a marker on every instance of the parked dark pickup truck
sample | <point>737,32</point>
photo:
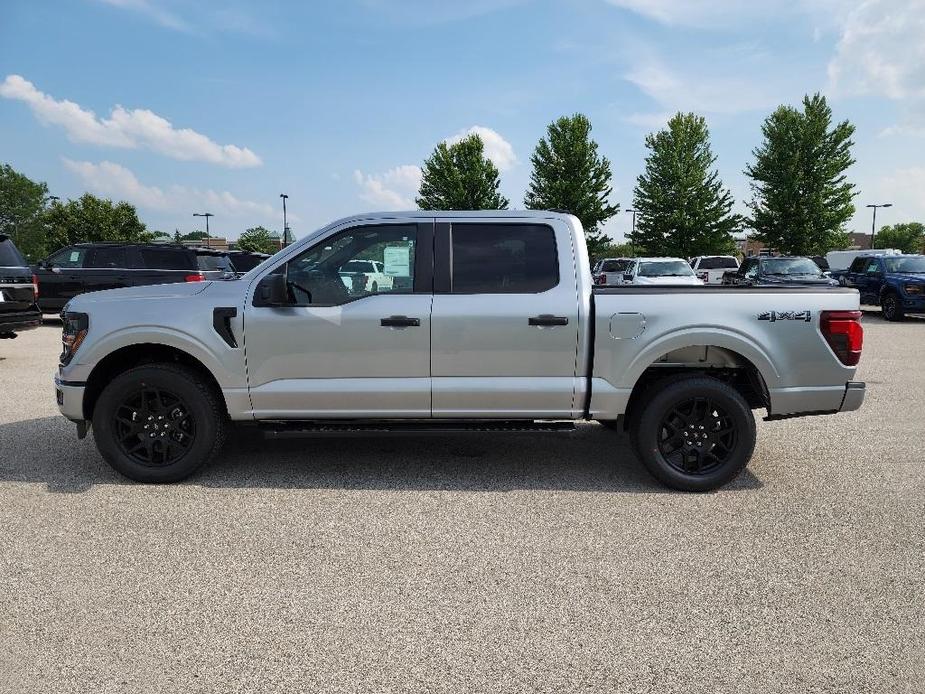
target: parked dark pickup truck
<point>896,283</point>
<point>777,271</point>
<point>18,311</point>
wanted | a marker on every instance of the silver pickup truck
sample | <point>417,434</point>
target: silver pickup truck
<point>490,322</point>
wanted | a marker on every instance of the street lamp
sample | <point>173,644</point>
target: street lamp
<point>873,222</point>
<point>285,225</point>
<point>206,215</point>
<point>633,233</point>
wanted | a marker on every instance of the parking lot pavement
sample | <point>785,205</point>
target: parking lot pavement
<point>513,563</point>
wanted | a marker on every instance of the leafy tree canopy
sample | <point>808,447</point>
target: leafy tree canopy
<point>90,219</point>
<point>257,240</point>
<point>908,237</point>
<point>682,207</point>
<point>801,195</point>
<point>22,203</point>
<point>569,174</point>
<point>460,177</point>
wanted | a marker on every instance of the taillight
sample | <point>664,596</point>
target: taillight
<point>602,278</point>
<point>198,277</point>
<point>843,331</point>
<point>35,286</point>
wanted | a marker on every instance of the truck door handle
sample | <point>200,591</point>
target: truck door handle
<point>400,322</point>
<point>547,319</point>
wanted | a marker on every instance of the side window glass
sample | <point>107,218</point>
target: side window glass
<point>356,263</point>
<point>504,258</point>
<point>873,267</point>
<point>68,258</point>
<point>167,259</point>
<point>751,269</point>
<point>107,258</point>
<point>857,265</point>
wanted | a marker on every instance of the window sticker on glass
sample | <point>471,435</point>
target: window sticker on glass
<point>75,256</point>
<point>397,260</point>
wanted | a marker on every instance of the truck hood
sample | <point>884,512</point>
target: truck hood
<point>916,277</point>
<point>668,280</point>
<point>176,290</point>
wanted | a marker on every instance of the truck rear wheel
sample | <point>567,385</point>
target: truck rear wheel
<point>693,434</point>
<point>159,423</point>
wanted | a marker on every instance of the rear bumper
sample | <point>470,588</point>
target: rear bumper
<point>19,321</point>
<point>806,402</point>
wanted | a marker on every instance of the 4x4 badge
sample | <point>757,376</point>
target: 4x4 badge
<point>773,316</point>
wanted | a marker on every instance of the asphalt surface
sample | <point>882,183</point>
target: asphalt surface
<point>471,564</point>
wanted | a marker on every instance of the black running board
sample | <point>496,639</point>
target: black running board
<point>290,429</point>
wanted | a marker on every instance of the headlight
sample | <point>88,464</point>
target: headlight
<point>913,288</point>
<point>73,334</point>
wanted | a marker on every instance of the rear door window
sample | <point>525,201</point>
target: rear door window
<point>168,259</point>
<point>717,263</point>
<point>107,257</point>
<point>503,258</point>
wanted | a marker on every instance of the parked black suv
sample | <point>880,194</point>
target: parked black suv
<point>245,261</point>
<point>778,270</point>
<point>88,267</point>
<point>17,291</point>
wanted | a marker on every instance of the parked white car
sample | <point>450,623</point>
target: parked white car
<point>365,276</point>
<point>660,271</point>
<point>710,268</point>
<point>610,271</point>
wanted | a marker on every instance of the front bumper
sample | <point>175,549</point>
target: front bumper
<point>70,398</point>
<point>19,321</point>
<point>913,303</point>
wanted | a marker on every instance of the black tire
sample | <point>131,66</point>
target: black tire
<point>694,434</point>
<point>375,287</point>
<point>159,423</point>
<point>892,308</point>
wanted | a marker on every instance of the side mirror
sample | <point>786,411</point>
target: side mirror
<point>272,291</point>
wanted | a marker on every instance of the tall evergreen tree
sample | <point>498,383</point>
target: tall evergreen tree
<point>681,205</point>
<point>569,174</point>
<point>460,177</point>
<point>801,195</point>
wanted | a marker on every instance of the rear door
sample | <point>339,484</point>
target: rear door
<point>504,331</point>
<point>162,265</point>
<point>106,267</point>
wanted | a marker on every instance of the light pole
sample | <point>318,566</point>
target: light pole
<point>206,215</point>
<point>633,232</point>
<point>873,222</point>
<point>285,225</point>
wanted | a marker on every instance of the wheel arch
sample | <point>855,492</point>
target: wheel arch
<point>129,356</point>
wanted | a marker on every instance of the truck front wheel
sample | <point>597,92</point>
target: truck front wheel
<point>159,423</point>
<point>693,434</point>
<point>891,307</point>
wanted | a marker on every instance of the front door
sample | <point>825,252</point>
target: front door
<point>350,343</point>
<point>61,277</point>
<point>505,320</point>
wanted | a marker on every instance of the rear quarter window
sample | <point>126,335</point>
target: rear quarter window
<point>10,255</point>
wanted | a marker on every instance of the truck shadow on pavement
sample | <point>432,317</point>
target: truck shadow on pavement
<point>592,459</point>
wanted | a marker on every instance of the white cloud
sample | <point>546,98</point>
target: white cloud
<point>114,180</point>
<point>713,14</point>
<point>696,92</point>
<point>125,128</point>
<point>393,190</point>
<point>903,187</point>
<point>497,149</point>
<point>153,11</point>
<point>648,121</point>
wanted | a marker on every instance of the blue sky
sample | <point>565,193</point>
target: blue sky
<point>184,107</point>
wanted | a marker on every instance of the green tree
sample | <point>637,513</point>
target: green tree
<point>801,195</point>
<point>614,250</point>
<point>194,236</point>
<point>90,218</point>
<point>22,203</point>
<point>569,174</point>
<point>908,237</point>
<point>257,240</point>
<point>460,177</point>
<point>681,205</point>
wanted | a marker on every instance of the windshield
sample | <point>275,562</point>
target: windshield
<point>718,262</point>
<point>912,263</point>
<point>614,265</point>
<point>9,254</point>
<point>665,268</point>
<point>214,262</point>
<point>789,266</point>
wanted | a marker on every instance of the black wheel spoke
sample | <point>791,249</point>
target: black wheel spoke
<point>697,435</point>
<point>154,427</point>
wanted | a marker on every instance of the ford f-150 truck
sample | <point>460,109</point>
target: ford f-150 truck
<point>492,324</point>
<point>894,282</point>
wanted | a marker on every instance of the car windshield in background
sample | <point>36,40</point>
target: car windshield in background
<point>9,254</point>
<point>718,263</point>
<point>910,264</point>
<point>214,262</point>
<point>665,268</point>
<point>789,266</point>
<point>246,263</point>
<point>614,266</point>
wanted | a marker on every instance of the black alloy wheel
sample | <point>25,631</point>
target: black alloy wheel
<point>154,427</point>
